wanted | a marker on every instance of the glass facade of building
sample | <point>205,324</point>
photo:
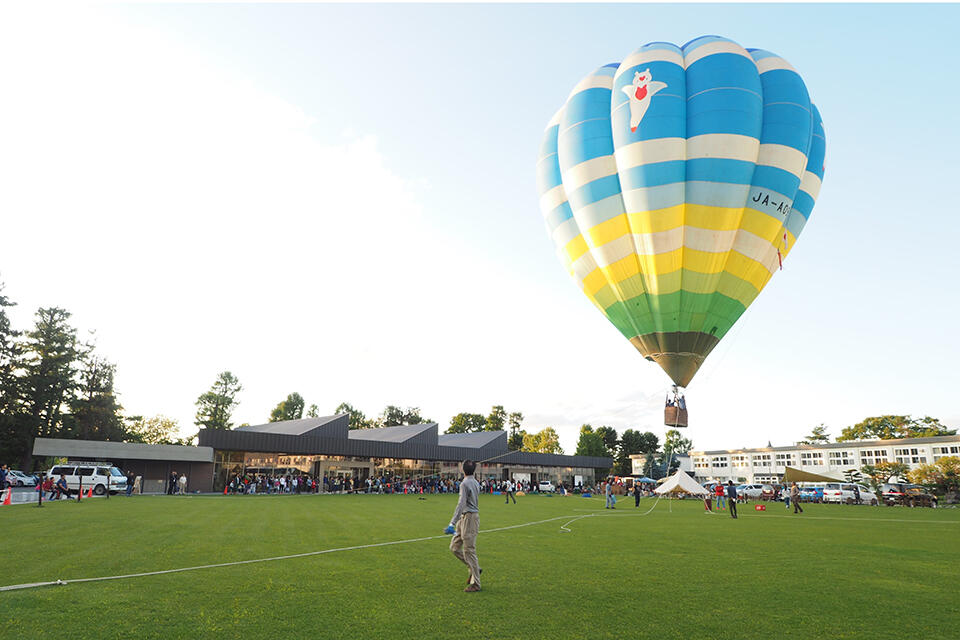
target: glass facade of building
<point>228,464</point>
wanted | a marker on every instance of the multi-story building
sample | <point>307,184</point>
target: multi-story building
<point>767,464</point>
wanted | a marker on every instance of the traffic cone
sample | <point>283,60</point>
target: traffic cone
<point>89,492</point>
<point>225,489</point>
<point>8,498</point>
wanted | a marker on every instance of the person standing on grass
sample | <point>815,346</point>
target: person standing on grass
<point>465,525</point>
<point>786,496</point>
<point>795,496</point>
<point>732,498</point>
<point>718,492</point>
<point>636,494</point>
<point>608,491</point>
<point>183,484</point>
<point>508,489</point>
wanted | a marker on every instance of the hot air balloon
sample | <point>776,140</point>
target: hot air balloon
<point>675,183</point>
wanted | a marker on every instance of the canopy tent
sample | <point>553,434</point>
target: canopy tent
<point>681,482</point>
<point>798,475</point>
<point>646,480</point>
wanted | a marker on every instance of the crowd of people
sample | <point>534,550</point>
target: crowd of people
<point>253,483</point>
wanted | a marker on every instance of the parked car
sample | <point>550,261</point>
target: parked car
<point>768,492</point>
<point>546,486</point>
<point>911,495</point>
<point>752,491</point>
<point>843,493</point>
<point>90,475</point>
<point>811,494</point>
<point>20,479</point>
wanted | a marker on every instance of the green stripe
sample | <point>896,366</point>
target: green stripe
<point>711,313</point>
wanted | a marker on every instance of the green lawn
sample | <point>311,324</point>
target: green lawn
<point>833,572</point>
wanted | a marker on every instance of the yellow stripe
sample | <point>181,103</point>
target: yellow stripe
<point>700,216</point>
<point>576,248</point>
<point>619,277</point>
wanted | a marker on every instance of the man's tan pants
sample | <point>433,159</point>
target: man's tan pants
<point>464,544</point>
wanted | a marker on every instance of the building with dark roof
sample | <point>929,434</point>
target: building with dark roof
<point>328,447</point>
<point>152,463</point>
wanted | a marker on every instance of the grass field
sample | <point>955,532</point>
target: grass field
<point>833,572</point>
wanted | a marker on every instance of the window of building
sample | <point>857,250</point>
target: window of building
<point>909,456</point>
<point>873,456</point>
<point>785,459</point>
<point>811,459</point>
<point>701,463</point>
<point>940,452</point>
<point>740,461</point>
<point>842,458</point>
<point>762,460</point>
<point>720,462</point>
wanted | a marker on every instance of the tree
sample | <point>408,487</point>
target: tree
<point>892,427</point>
<point>289,409</point>
<point>50,367</point>
<point>546,441</point>
<point>215,407</point>
<point>313,411</point>
<point>852,475</point>
<point>515,440</point>
<point>817,436</point>
<point>467,423</point>
<point>95,413</point>
<point>675,444</point>
<point>649,442</point>
<point>943,475</point>
<point>395,416</point>
<point>155,430</point>
<point>497,418</point>
<point>590,443</point>
<point>610,439</point>
<point>631,443</point>
<point>357,419</point>
<point>12,433</point>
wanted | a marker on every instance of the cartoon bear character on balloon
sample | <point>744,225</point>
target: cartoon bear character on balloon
<point>639,92</point>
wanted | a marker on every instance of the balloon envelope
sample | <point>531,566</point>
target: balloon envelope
<point>675,183</point>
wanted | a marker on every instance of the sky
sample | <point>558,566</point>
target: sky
<point>341,201</point>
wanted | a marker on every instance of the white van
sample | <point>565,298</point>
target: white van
<point>546,486</point>
<point>96,475</point>
<point>843,493</point>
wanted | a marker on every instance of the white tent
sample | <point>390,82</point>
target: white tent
<point>681,482</point>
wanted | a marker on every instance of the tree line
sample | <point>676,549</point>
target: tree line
<point>882,428</point>
<point>53,384</point>
<point>604,441</point>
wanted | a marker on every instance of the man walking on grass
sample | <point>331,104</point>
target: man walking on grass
<point>795,497</point>
<point>465,525</point>
<point>508,489</point>
<point>732,498</point>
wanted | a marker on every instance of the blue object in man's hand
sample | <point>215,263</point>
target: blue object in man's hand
<point>449,530</point>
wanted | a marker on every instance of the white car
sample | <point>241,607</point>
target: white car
<point>546,486</point>
<point>20,479</point>
<point>843,493</point>
<point>95,475</point>
<point>751,491</point>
